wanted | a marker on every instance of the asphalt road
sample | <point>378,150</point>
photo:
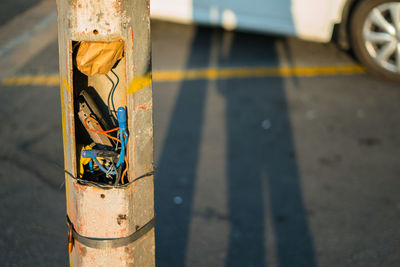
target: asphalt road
<point>251,171</point>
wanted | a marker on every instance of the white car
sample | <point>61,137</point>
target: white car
<point>371,28</point>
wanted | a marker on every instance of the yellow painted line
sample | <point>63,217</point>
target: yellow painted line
<point>207,73</point>
<point>212,74</point>
<point>50,80</point>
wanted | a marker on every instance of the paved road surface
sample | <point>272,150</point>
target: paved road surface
<point>251,171</point>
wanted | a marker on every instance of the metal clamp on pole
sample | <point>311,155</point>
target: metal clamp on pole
<point>104,243</point>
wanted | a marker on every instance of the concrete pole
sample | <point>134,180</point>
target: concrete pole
<point>102,221</point>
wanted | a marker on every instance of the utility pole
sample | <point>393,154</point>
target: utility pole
<point>110,213</point>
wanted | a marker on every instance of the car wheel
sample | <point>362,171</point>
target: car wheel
<point>375,37</point>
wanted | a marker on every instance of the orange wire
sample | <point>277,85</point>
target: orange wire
<point>98,131</point>
<point>124,173</point>
<point>101,131</point>
<point>112,137</point>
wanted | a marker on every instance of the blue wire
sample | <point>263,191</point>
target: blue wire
<point>102,167</point>
<point>91,166</point>
<point>124,141</point>
<point>123,135</point>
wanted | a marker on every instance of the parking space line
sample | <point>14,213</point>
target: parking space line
<point>227,73</point>
<point>208,73</point>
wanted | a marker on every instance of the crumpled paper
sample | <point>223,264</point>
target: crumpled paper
<point>98,57</point>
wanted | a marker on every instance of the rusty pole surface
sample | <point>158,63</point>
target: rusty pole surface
<point>116,212</point>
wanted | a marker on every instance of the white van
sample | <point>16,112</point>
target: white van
<point>371,28</point>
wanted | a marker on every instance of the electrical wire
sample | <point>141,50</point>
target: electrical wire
<point>110,112</point>
<point>126,168</point>
<point>100,131</point>
<point>123,140</point>
<point>105,186</point>
<point>117,172</point>
<point>113,91</point>
<point>125,171</point>
<point>106,171</point>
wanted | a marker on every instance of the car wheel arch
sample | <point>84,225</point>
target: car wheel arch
<point>342,30</point>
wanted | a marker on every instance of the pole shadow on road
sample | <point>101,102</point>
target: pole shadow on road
<point>262,172</point>
<point>178,158</point>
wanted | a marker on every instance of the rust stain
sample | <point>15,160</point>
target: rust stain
<point>120,218</point>
<point>132,36</point>
<point>117,6</point>
<point>146,106</point>
<point>73,213</point>
<point>123,232</point>
<point>67,63</point>
<point>79,188</point>
<point>92,257</point>
<point>82,251</point>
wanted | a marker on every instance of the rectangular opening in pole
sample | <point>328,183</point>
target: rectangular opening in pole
<point>100,113</point>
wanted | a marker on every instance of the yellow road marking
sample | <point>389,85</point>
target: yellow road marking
<point>50,80</point>
<point>165,76</point>
<point>208,73</point>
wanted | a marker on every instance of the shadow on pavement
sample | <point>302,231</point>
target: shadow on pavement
<point>181,161</point>
<point>262,173</point>
<point>263,179</point>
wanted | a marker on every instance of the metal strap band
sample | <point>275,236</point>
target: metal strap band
<point>103,243</point>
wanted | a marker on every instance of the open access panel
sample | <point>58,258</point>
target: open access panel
<point>106,99</point>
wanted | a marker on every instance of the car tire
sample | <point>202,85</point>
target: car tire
<point>372,40</point>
